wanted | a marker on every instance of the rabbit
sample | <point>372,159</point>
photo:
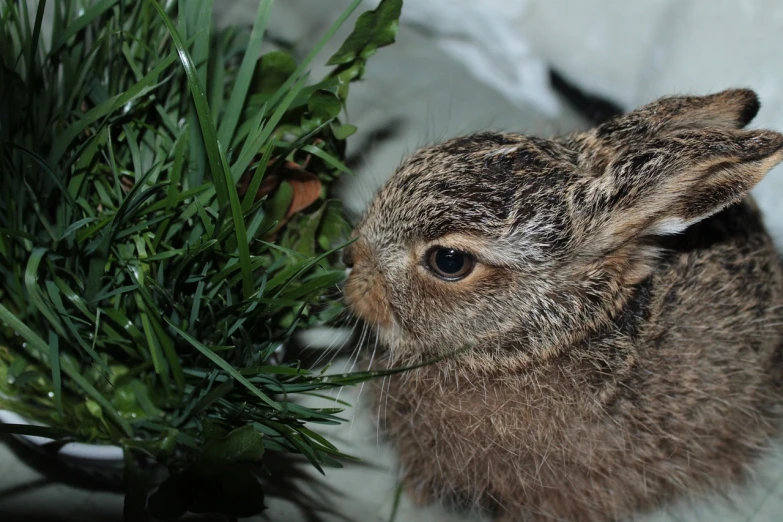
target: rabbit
<point>592,323</point>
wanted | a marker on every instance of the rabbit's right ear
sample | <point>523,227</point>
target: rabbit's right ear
<point>672,163</point>
<point>670,183</point>
<point>731,109</point>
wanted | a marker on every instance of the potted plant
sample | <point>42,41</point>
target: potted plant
<point>166,225</point>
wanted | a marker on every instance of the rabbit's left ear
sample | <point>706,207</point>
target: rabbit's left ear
<point>672,182</point>
<point>730,109</point>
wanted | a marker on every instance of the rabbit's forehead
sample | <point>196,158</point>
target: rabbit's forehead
<point>484,186</point>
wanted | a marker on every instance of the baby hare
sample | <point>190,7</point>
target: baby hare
<point>605,310</point>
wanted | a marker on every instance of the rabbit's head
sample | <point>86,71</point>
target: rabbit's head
<point>521,246</point>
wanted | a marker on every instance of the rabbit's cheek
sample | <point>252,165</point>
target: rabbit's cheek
<point>460,303</point>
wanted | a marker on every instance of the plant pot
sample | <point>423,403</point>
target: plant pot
<point>100,462</point>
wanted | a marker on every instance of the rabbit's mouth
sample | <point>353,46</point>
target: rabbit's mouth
<point>367,299</point>
<point>365,290</point>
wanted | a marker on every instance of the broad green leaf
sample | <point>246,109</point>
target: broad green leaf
<point>304,64</point>
<point>273,70</point>
<point>373,29</point>
<point>324,105</point>
<point>277,206</point>
<point>344,131</point>
<point>243,444</point>
<point>334,228</point>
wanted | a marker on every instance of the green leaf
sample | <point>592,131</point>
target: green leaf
<point>373,29</point>
<point>243,444</point>
<point>273,70</point>
<point>304,64</point>
<point>90,390</point>
<point>78,24</point>
<point>344,131</point>
<point>329,159</point>
<point>319,282</point>
<point>40,346</point>
<point>94,409</point>
<point>334,228</point>
<point>144,86</point>
<point>34,293</point>
<point>324,105</point>
<point>124,399</point>
<point>277,206</point>
<point>54,361</point>
<point>257,141</point>
<point>306,227</point>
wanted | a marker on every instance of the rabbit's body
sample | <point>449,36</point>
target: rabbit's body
<point>659,403</point>
<point>609,369</point>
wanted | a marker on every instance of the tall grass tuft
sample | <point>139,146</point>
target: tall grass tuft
<point>166,224</point>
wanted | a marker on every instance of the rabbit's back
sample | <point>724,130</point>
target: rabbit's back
<point>679,393</point>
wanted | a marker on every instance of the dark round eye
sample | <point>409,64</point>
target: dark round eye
<point>449,264</point>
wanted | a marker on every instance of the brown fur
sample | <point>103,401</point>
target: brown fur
<point>609,369</point>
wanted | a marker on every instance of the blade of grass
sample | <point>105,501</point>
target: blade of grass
<point>125,325</point>
<point>222,364</point>
<point>32,47</point>
<point>78,24</point>
<point>201,106</point>
<point>33,291</point>
<point>54,297</point>
<point>238,95</point>
<point>224,186</point>
<point>34,431</point>
<point>328,158</point>
<point>54,362</point>
<point>254,144</point>
<point>105,109</point>
<point>172,195</point>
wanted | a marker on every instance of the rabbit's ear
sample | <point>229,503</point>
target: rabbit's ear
<point>672,182</point>
<point>731,109</point>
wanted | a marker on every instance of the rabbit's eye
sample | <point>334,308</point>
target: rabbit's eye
<point>449,264</point>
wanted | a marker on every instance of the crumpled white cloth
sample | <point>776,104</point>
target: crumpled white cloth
<point>484,37</point>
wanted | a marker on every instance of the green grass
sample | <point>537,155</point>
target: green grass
<point>143,291</point>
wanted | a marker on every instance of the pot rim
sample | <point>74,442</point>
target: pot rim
<point>100,454</point>
<point>106,453</point>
